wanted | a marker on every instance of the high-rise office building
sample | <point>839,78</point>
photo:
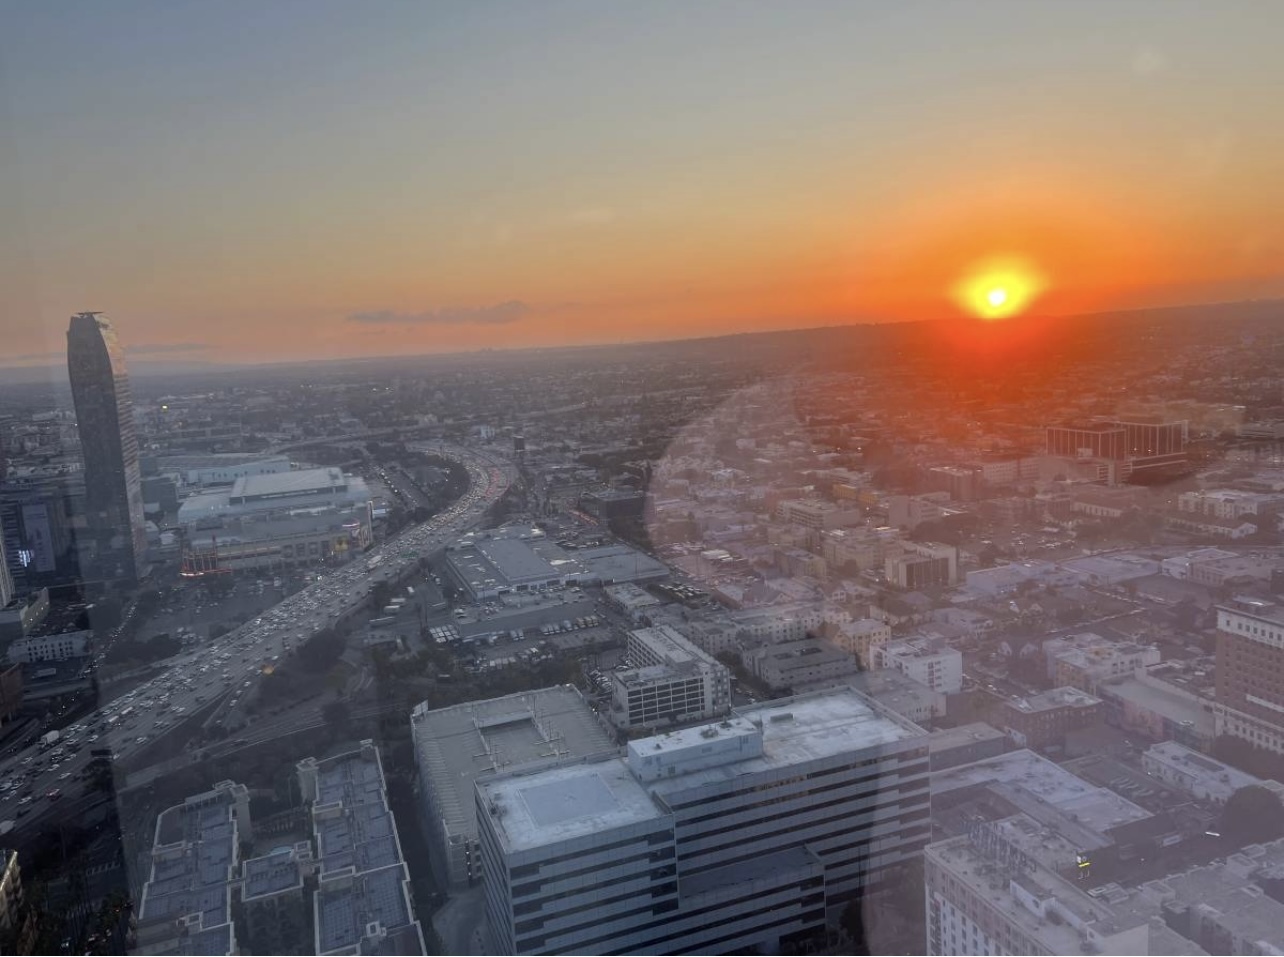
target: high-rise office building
<point>109,443</point>
<point>6,580</point>
<point>737,834</point>
<point>1250,684</point>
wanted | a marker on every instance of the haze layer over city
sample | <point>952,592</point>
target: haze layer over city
<point>689,478</point>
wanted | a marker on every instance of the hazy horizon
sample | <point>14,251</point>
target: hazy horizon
<point>295,181</point>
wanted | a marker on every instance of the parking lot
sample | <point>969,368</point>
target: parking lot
<point>195,610</point>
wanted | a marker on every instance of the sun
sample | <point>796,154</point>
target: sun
<point>999,288</point>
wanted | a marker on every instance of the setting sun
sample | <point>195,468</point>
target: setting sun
<point>999,289</point>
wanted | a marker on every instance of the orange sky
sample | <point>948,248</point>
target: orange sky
<point>241,185</point>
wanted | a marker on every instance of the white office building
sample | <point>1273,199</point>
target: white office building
<point>671,681</point>
<point>929,662</point>
<point>714,839</point>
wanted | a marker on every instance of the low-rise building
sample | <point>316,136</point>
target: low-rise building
<point>1085,660</point>
<point>929,662</point>
<point>951,747</point>
<point>1225,503</point>
<point>900,694</point>
<point>862,638</point>
<point>1146,704</point>
<point>790,665</point>
<point>631,599</point>
<point>1043,720</point>
<point>50,647</point>
<point>986,894</point>
<point>1199,775</point>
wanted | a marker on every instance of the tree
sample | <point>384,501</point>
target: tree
<point>1252,815</point>
<point>321,652</point>
<point>336,714</point>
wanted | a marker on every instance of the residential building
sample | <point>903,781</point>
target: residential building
<point>862,638</point>
<point>362,903</point>
<point>711,839</point>
<point>1085,660</point>
<point>930,662</point>
<point>186,904</point>
<point>275,899</point>
<point>456,745</point>
<point>109,444</point>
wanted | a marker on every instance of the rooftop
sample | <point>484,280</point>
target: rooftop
<point>194,858</point>
<point>549,805</point>
<point>297,482</point>
<point>1036,784</point>
<point>455,745</point>
<point>363,898</point>
<point>1052,699</point>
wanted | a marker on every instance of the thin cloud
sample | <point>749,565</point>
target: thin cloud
<point>162,348</point>
<point>35,356</point>
<point>497,315</point>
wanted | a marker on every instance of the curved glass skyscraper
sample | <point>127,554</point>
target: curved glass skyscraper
<point>105,420</point>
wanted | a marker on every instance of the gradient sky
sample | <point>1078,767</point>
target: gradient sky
<point>269,180</point>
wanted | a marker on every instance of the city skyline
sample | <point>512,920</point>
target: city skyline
<point>269,184</point>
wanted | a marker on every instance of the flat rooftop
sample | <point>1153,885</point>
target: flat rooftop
<point>550,805</point>
<point>295,482</point>
<point>1047,784</point>
<point>1175,704</point>
<point>454,745</point>
<point>276,491</point>
<point>565,802</point>
<point>194,857</point>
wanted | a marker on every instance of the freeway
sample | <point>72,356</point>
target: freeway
<point>222,671</point>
